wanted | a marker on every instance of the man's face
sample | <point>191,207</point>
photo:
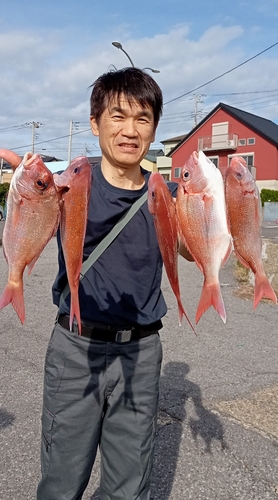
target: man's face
<point>125,132</point>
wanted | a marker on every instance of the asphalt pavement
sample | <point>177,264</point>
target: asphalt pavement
<point>217,436</point>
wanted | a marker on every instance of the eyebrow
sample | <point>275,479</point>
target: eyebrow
<point>143,112</point>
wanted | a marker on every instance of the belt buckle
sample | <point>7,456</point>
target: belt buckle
<point>123,336</point>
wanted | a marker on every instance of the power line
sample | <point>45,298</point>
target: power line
<point>55,139</point>
<point>223,74</point>
<point>186,114</point>
<point>13,127</point>
<point>170,117</point>
<point>243,93</point>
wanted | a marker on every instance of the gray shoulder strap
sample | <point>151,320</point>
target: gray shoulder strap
<point>107,241</point>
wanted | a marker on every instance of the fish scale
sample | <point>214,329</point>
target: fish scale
<point>75,185</point>
<point>244,219</point>
<point>33,211</point>
<point>162,206</point>
<point>202,222</point>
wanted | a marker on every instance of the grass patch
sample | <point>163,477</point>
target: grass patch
<point>241,272</point>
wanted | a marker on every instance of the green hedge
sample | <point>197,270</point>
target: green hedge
<point>4,188</point>
<point>269,195</point>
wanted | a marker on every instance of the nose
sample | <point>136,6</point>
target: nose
<point>129,128</point>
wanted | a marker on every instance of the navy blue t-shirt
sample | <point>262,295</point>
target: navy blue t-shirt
<point>123,287</point>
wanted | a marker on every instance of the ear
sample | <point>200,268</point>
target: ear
<point>94,125</point>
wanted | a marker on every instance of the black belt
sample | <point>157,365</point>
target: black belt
<point>107,333</point>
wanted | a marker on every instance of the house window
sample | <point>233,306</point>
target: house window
<point>177,172</point>
<point>214,160</point>
<point>248,158</point>
<point>250,141</point>
<point>242,142</point>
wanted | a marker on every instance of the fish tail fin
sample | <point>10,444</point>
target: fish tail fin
<point>183,313</point>
<point>14,294</point>
<point>211,296</point>
<point>75,312</point>
<point>263,289</point>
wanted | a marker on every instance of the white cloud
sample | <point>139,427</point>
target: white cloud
<point>45,77</point>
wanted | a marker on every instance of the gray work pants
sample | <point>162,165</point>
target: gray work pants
<point>99,394</point>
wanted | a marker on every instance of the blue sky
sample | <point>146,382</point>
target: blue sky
<point>51,52</point>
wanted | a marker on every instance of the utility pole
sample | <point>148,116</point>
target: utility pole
<point>72,124</point>
<point>198,100</point>
<point>33,125</point>
<point>1,171</point>
<point>70,142</point>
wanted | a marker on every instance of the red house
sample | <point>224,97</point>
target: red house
<point>227,131</point>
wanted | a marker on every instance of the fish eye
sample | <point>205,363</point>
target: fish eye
<point>239,175</point>
<point>76,170</point>
<point>41,184</point>
<point>153,194</point>
<point>185,174</point>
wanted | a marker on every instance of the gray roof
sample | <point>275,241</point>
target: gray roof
<point>264,127</point>
<point>94,160</point>
<point>48,159</point>
<point>174,139</point>
<point>45,159</point>
<point>153,153</point>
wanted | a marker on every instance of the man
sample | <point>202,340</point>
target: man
<point>101,388</point>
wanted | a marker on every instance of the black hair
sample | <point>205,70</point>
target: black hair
<point>133,83</point>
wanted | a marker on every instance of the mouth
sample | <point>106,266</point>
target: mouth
<point>127,146</point>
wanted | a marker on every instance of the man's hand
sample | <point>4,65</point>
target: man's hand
<point>182,248</point>
<point>184,252</point>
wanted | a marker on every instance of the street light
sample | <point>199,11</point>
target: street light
<point>113,67</point>
<point>119,46</point>
<point>151,69</point>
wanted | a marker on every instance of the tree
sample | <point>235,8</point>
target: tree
<point>4,188</point>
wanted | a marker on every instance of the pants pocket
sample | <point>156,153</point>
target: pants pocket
<point>54,367</point>
<point>47,421</point>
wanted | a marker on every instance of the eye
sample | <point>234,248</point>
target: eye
<point>76,170</point>
<point>41,184</point>
<point>239,175</point>
<point>153,195</point>
<point>185,174</point>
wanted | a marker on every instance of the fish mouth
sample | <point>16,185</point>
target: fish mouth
<point>61,189</point>
<point>195,155</point>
